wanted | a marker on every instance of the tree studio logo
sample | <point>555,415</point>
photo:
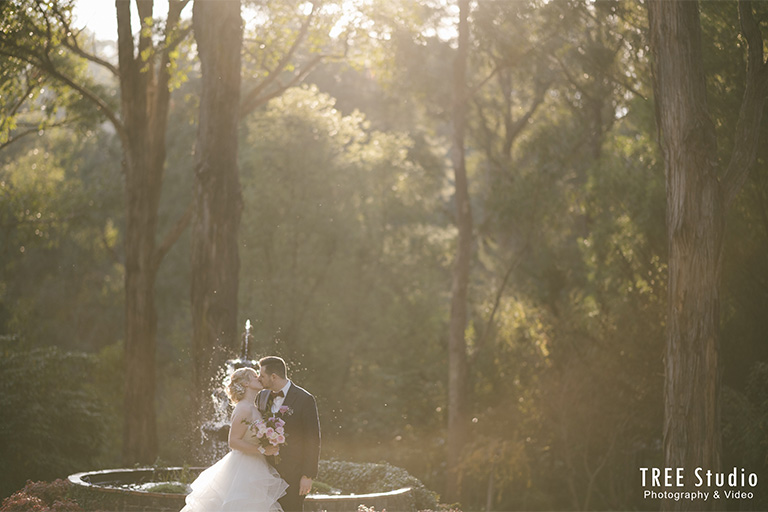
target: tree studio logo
<point>672,484</point>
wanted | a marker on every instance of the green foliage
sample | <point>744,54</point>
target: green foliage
<point>60,216</point>
<point>107,381</point>
<point>347,244</point>
<point>52,422</point>
<point>339,261</point>
<point>364,478</point>
<point>745,420</point>
<point>319,487</point>
<point>167,487</point>
<point>272,28</point>
<point>569,280</point>
<point>38,67</point>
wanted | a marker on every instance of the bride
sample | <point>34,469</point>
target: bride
<point>242,480</point>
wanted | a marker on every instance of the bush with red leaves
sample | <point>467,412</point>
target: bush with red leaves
<point>41,497</point>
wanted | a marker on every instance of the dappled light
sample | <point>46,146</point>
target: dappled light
<point>512,251</point>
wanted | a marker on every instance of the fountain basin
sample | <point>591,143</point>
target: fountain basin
<point>400,500</point>
<point>124,490</point>
<point>117,489</point>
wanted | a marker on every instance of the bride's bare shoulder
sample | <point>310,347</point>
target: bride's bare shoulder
<point>245,411</point>
<point>242,410</point>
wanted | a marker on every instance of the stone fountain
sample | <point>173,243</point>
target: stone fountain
<point>147,489</point>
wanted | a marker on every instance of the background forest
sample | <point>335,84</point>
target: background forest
<point>348,238</point>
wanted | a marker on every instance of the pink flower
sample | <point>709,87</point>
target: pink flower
<point>283,409</point>
<point>280,439</point>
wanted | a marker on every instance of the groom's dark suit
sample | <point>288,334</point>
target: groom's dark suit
<point>300,454</point>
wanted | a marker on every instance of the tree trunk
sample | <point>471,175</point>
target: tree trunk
<point>215,259</point>
<point>143,73</point>
<point>145,101</point>
<point>695,226</point>
<point>140,434</point>
<point>458,420</point>
<point>696,203</point>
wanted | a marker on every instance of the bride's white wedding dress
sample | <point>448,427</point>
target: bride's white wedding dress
<point>238,482</point>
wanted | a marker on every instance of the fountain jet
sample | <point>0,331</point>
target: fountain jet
<point>215,431</point>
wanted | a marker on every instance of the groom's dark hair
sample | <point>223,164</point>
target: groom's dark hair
<point>273,364</point>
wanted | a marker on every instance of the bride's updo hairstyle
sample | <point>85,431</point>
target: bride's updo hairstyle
<point>238,382</point>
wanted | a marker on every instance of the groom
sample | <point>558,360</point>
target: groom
<point>299,456</point>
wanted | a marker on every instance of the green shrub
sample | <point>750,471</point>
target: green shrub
<point>52,424</point>
<point>321,488</point>
<point>364,478</point>
<point>168,487</point>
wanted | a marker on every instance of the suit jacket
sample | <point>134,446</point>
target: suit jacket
<point>300,454</point>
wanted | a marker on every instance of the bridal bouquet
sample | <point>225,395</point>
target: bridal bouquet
<point>270,431</point>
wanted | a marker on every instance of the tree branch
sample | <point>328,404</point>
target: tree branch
<point>52,70</point>
<point>255,102</point>
<point>489,132</point>
<point>747,136</point>
<point>499,294</point>
<point>504,65</point>
<point>35,129</point>
<point>174,234</point>
<point>172,39</point>
<point>21,101</point>
<point>573,81</point>
<point>43,62</point>
<point>70,41</point>
<point>72,44</point>
<point>17,137</point>
<point>519,125</point>
<point>253,98</point>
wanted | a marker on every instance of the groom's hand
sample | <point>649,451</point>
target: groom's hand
<point>305,485</point>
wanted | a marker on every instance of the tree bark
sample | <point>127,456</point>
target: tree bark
<point>218,198</point>
<point>145,102</point>
<point>143,73</point>
<point>696,204</point>
<point>458,420</point>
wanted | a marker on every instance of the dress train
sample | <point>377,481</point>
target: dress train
<point>238,482</point>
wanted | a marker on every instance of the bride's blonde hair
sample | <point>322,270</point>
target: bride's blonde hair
<point>238,384</point>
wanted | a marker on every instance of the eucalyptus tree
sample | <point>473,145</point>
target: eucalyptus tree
<point>549,127</point>
<point>458,414</point>
<point>215,262</point>
<point>478,45</point>
<point>39,35</point>
<point>700,190</point>
<point>501,76</point>
<point>588,183</point>
<point>250,52</point>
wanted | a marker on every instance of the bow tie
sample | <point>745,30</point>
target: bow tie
<point>275,394</point>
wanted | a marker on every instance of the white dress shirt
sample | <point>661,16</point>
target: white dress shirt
<point>278,401</point>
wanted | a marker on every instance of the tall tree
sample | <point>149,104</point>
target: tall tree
<point>218,200</point>
<point>240,73</point>
<point>144,73</point>
<point>42,38</point>
<point>457,344</point>
<point>699,191</point>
